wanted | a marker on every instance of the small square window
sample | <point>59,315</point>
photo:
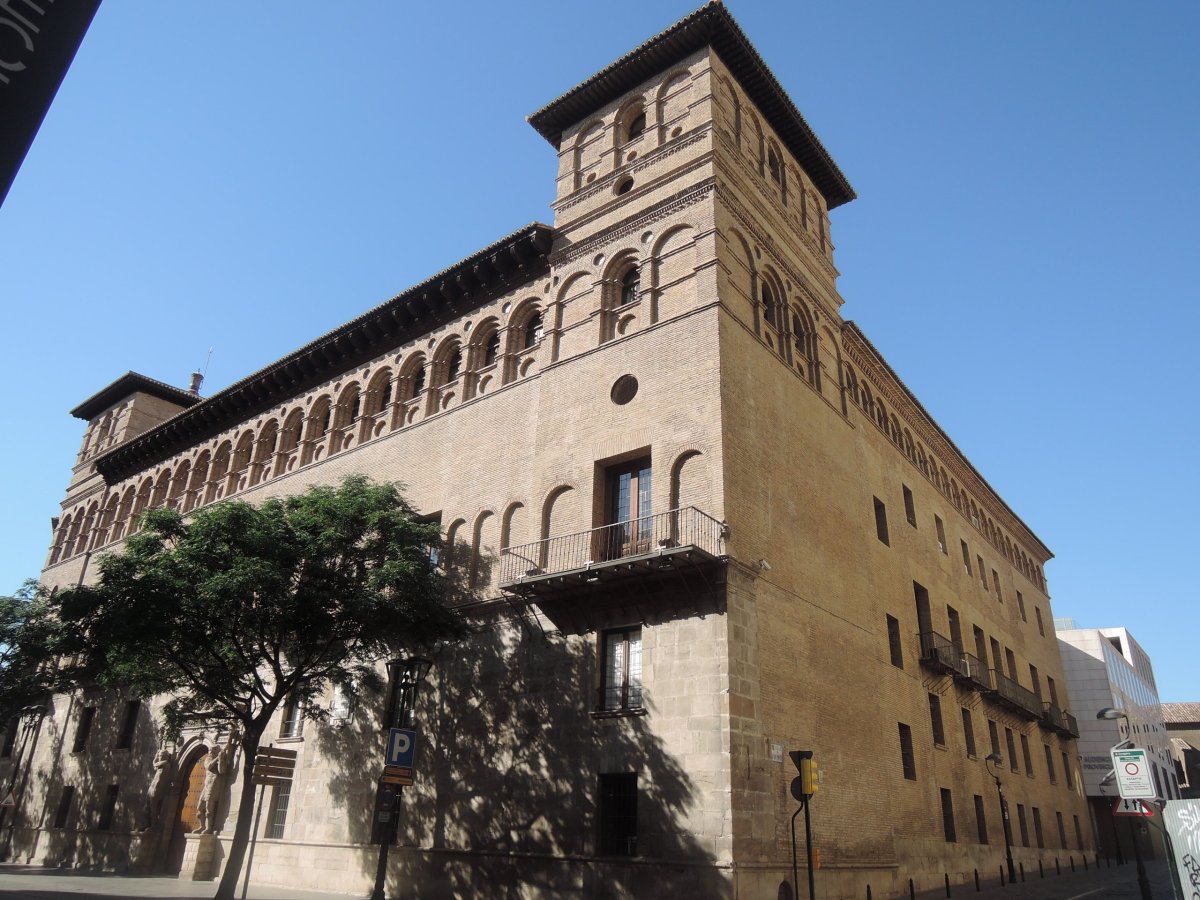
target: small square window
<point>910,509</point>
<point>618,814</point>
<point>881,527</point>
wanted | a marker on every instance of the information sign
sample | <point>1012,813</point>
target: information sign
<point>1133,774</point>
<point>401,748</point>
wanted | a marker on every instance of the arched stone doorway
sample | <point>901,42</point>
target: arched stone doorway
<point>185,820</point>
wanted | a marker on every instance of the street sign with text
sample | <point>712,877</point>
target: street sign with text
<point>401,748</point>
<point>1133,774</point>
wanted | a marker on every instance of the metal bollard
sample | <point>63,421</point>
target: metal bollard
<point>912,890</point>
<point>1057,867</point>
<point>1002,876</point>
<point>1022,871</point>
<point>1071,859</point>
<point>946,875</point>
<point>977,881</point>
<point>868,892</point>
<point>1041,871</point>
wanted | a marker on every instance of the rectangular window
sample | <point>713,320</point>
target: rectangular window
<point>1035,680</point>
<point>1050,764</point>
<point>935,719</point>
<point>293,718</point>
<point>1037,828</point>
<point>1052,688</point>
<point>1078,834</point>
<point>955,628</point>
<point>940,528</point>
<point>10,737</point>
<point>128,724</point>
<point>1066,761</point>
<point>894,645</point>
<point>1012,750</point>
<point>980,645</point>
<point>993,737</point>
<point>924,618</point>
<point>1012,664</point>
<point>1027,755</point>
<point>629,511</point>
<point>910,509</point>
<point>1038,615</point>
<point>966,558</point>
<point>996,586</point>
<point>981,820</point>
<point>982,571</point>
<point>1021,606</point>
<point>997,664</point>
<point>881,530</point>
<point>622,668</point>
<point>618,814</point>
<point>1062,831</point>
<point>1024,827</point>
<point>281,796</point>
<point>83,729</point>
<point>968,732</point>
<point>64,806</point>
<point>948,816</point>
<point>907,759</point>
<point>109,809</point>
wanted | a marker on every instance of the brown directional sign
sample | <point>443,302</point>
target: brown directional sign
<point>401,775</point>
<point>274,766</point>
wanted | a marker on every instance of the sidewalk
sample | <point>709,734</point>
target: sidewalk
<point>37,883</point>
<point>1116,883</point>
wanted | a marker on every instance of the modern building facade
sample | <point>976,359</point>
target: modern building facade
<point>1107,669</point>
<point>703,520</point>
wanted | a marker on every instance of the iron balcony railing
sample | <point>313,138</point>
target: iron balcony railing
<point>978,672</point>
<point>942,654</point>
<point>1021,698</point>
<point>1071,724</point>
<point>1052,717</point>
<point>668,532</point>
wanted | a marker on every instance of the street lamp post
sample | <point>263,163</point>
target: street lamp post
<point>995,759</point>
<point>1143,882</point>
<point>405,675</point>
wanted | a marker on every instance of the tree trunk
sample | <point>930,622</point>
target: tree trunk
<point>245,815</point>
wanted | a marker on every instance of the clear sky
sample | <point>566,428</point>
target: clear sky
<point>246,176</point>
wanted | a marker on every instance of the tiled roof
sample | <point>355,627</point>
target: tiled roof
<point>1180,713</point>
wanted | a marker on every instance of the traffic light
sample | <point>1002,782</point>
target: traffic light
<point>807,782</point>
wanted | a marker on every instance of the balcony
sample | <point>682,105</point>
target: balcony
<point>942,655</point>
<point>1052,718</point>
<point>978,673</point>
<point>1070,724</point>
<point>684,538</point>
<point>1022,700</point>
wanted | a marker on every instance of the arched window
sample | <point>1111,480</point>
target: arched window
<point>770,306</point>
<point>491,350</point>
<point>631,286</point>
<point>418,383</point>
<point>533,332</point>
<point>636,126</point>
<point>774,168</point>
<point>454,365</point>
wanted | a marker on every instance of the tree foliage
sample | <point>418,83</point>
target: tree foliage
<point>240,608</point>
<point>27,631</point>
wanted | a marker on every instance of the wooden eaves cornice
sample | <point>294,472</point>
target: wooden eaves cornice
<point>513,260</point>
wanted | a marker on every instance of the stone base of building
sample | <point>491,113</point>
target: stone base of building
<point>202,857</point>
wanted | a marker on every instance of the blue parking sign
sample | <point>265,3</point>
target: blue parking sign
<point>401,747</point>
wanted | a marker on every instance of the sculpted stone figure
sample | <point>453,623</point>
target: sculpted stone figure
<point>216,770</point>
<point>164,763</point>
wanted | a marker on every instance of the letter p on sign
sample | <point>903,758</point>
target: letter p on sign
<point>401,747</point>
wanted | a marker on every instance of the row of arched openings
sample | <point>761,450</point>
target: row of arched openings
<point>387,399</point>
<point>875,409</point>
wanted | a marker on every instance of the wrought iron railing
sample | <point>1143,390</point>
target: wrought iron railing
<point>661,533</point>
<point>978,672</point>
<point>1052,717</point>
<point>940,652</point>
<point>1070,724</point>
<point>1022,698</point>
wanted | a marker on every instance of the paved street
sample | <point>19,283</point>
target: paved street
<point>34,883</point>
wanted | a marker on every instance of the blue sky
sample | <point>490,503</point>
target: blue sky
<point>247,176</point>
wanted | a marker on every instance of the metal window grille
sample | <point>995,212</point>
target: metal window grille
<point>618,814</point>
<point>281,796</point>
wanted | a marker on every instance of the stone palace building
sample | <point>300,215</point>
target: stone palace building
<point>704,520</point>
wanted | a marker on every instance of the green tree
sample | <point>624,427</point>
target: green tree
<point>27,631</point>
<point>242,608</point>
